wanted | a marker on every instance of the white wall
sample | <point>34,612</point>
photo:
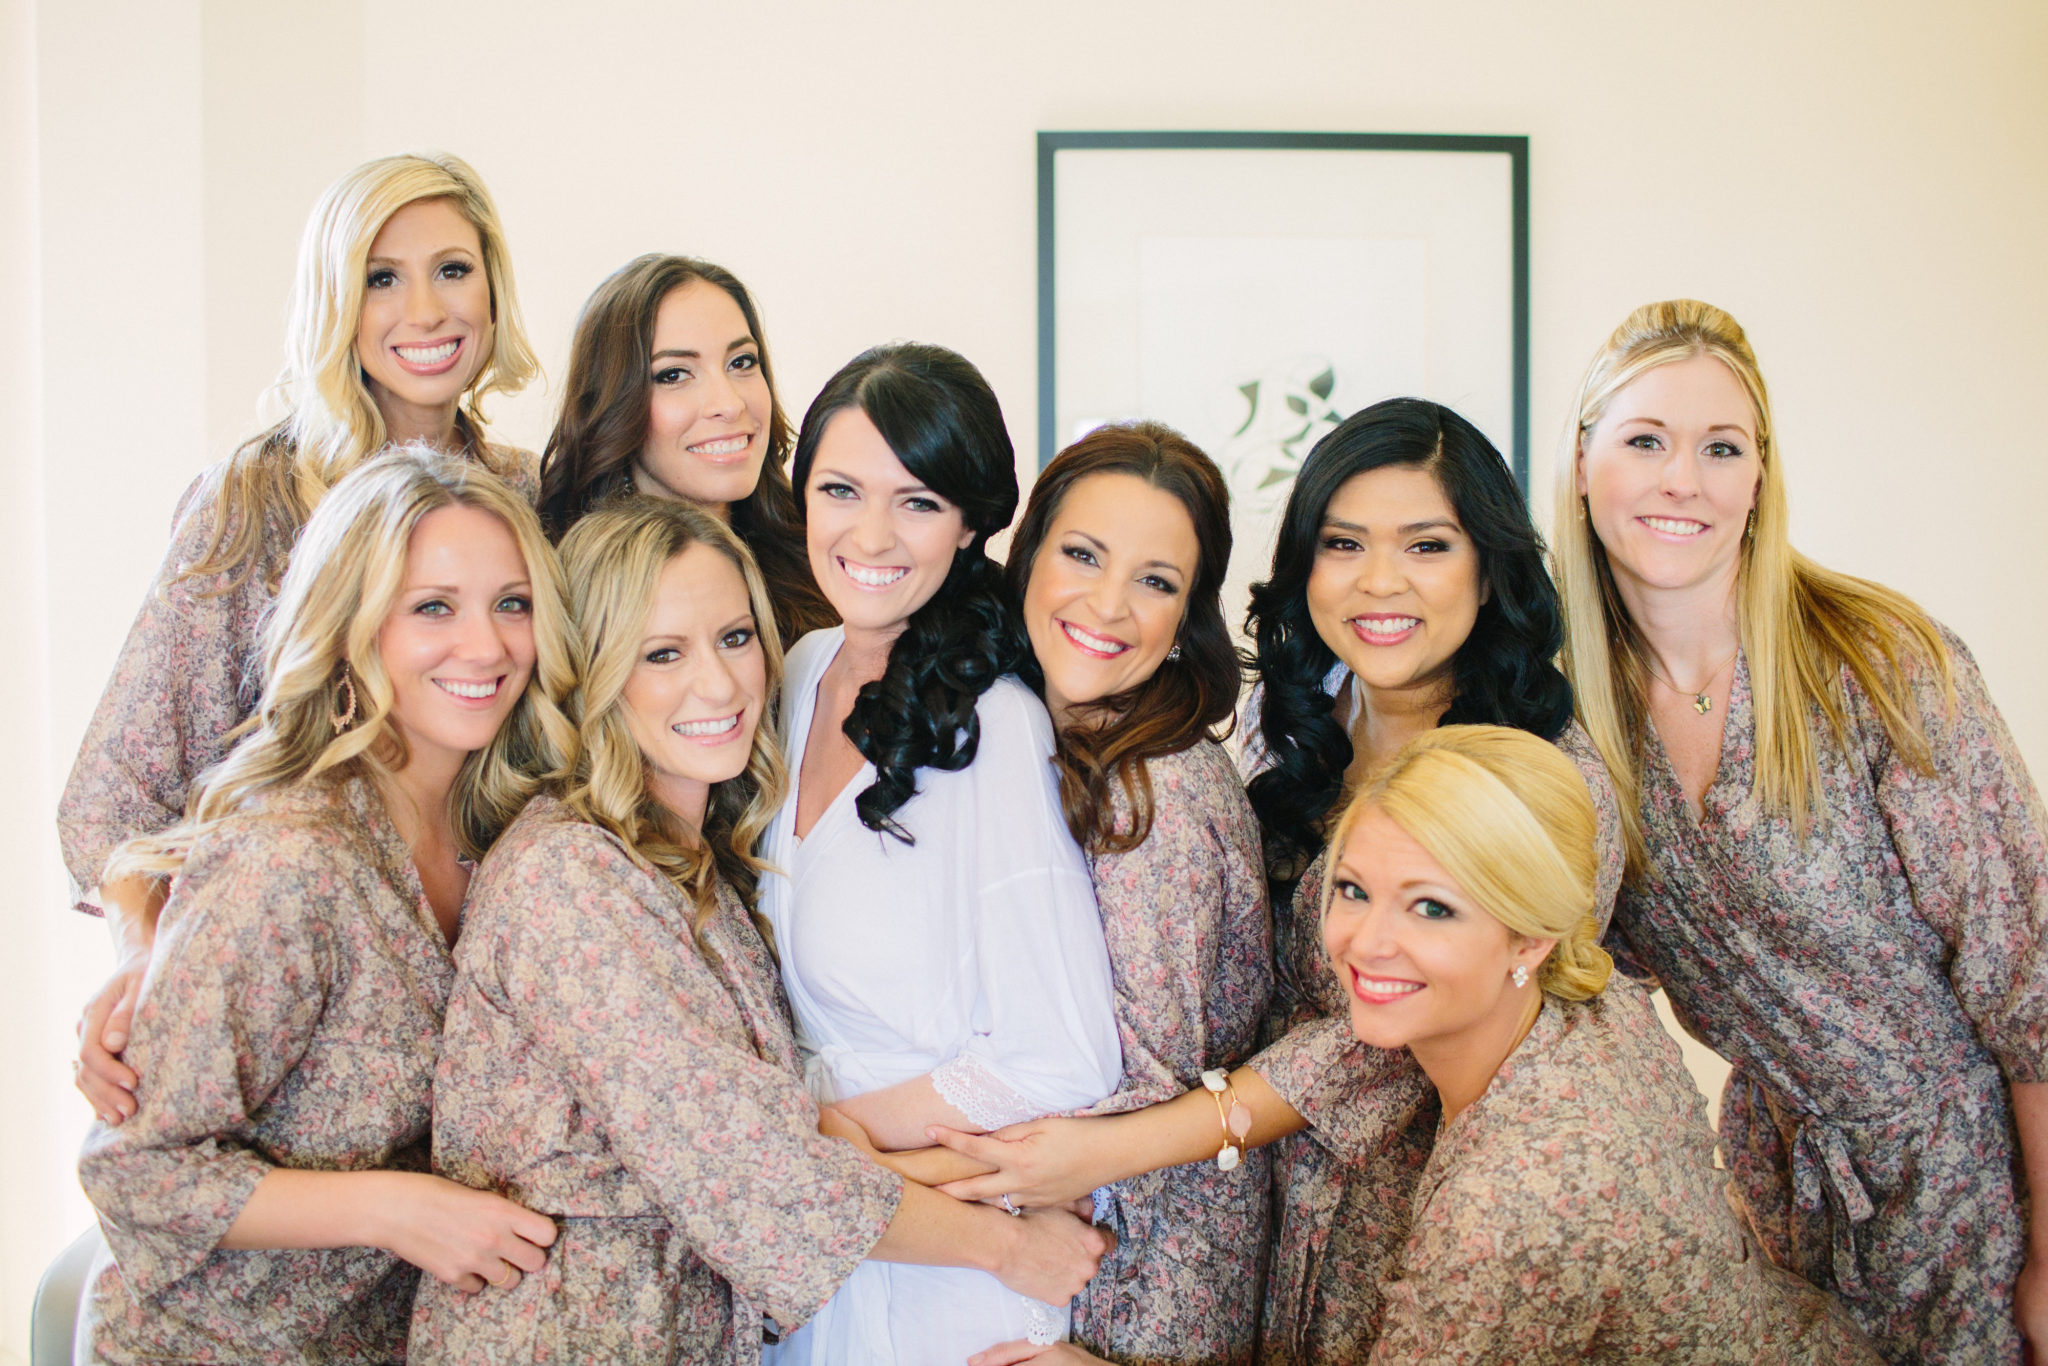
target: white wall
<point>1865,194</point>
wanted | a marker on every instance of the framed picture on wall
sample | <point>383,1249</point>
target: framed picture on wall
<point>1254,289</point>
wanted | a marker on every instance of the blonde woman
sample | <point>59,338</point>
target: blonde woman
<point>1837,863</point>
<point>618,1047</point>
<point>269,1199</point>
<point>1570,1209</point>
<point>403,318</point>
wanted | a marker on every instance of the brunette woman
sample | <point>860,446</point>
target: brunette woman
<point>1837,863</point>
<point>1408,590</point>
<point>670,393</point>
<point>403,318</point>
<point>681,1153</point>
<point>935,919</point>
<point>1119,562</point>
<point>268,1199</point>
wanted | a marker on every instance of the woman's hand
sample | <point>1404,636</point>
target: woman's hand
<point>1008,1353</point>
<point>98,1071</point>
<point>1038,1163</point>
<point>468,1238</point>
<point>1051,1255</point>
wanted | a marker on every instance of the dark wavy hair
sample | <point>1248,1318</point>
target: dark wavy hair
<point>1505,673</point>
<point>1184,700</point>
<point>606,403</point>
<point>942,421</point>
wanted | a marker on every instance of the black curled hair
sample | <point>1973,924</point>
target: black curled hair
<point>1505,674</point>
<point>942,421</point>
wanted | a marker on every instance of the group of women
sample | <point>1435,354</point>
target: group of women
<point>494,899</point>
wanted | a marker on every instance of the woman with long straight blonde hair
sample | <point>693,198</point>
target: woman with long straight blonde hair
<point>1837,864</point>
<point>618,1047</point>
<point>403,318</point>
<point>268,1197</point>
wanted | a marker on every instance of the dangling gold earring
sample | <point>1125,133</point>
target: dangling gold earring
<point>347,715</point>
<point>1749,527</point>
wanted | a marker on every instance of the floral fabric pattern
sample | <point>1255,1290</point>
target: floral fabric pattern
<point>1185,918</point>
<point>1343,1188</point>
<point>601,1069</point>
<point>1573,1213</point>
<point>291,1018</point>
<point>184,679</point>
<point>1877,987</point>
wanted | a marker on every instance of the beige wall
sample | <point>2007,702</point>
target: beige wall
<point>1866,195</point>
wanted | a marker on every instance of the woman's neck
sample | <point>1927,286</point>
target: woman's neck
<point>1690,632</point>
<point>436,426</point>
<point>1463,1065</point>
<point>684,798</point>
<point>417,797</point>
<point>864,657</point>
<point>1389,718</point>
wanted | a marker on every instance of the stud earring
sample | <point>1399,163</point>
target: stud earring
<point>1521,975</point>
<point>1173,655</point>
<point>343,718</point>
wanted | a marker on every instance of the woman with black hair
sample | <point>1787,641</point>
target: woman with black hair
<point>935,919</point>
<point>1408,591</point>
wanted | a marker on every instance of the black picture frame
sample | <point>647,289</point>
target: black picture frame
<point>1514,147</point>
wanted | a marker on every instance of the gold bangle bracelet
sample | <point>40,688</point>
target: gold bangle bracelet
<point>1233,1114</point>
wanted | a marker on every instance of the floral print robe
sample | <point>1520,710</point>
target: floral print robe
<point>1573,1213</point>
<point>1190,940</point>
<point>1343,1188</point>
<point>1877,989</point>
<point>290,1018</point>
<point>601,1069</point>
<point>185,678</point>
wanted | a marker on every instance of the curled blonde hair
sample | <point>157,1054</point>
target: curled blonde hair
<point>333,424</point>
<point>1801,623</point>
<point>345,577</point>
<point>1510,819</point>
<point>613,558</point>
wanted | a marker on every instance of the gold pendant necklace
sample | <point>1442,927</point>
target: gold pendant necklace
<point>1701,703</point>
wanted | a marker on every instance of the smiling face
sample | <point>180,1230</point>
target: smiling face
<point>708,420</point>
<point>881,543</point>
<point>458,641</point>
<point>1396,582</point>
<point>426,323</point>
<point>694,698</point>
<point>1669,474</point>
<point>1425,968</point>
<point>1108,588</point>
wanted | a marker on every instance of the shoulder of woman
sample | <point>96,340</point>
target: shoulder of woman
<point>809,656</point>
<point>1011,715</point>
<point>548,844</point>
<point>251,864</point>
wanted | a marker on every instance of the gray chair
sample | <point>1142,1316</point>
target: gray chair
<point>57,1297</point>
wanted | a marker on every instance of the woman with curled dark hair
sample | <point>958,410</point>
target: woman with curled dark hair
<point>935,919</point>
<point>670,393</point>
<point>1408,591</point>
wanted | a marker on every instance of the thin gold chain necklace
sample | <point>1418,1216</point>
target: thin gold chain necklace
<point>1701,703</point>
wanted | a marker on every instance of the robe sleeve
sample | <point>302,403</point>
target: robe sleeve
<point>235,991</point>
<point>1044,1034</point>
<point>1970,840</point>
<point>726,1142</point>
<point>179,685</point>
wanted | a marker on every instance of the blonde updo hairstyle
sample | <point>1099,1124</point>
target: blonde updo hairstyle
<point>613,557</point>
<point>333,423</point>
<point>345,578</point>
<point>1511,821</point>
<point>1801,623</point>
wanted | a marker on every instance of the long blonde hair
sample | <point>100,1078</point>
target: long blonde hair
<point>613,558</point>
<point>333,424</point>
<point>1510,819</point>
<point>1801,624</point>
<point>346,574</point>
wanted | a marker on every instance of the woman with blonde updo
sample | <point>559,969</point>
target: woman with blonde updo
<point>1570,1210</point>
<point>1837,861</point>
<point>403,318</point>
<point>269,1199</point>
<point>618,1050</point>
